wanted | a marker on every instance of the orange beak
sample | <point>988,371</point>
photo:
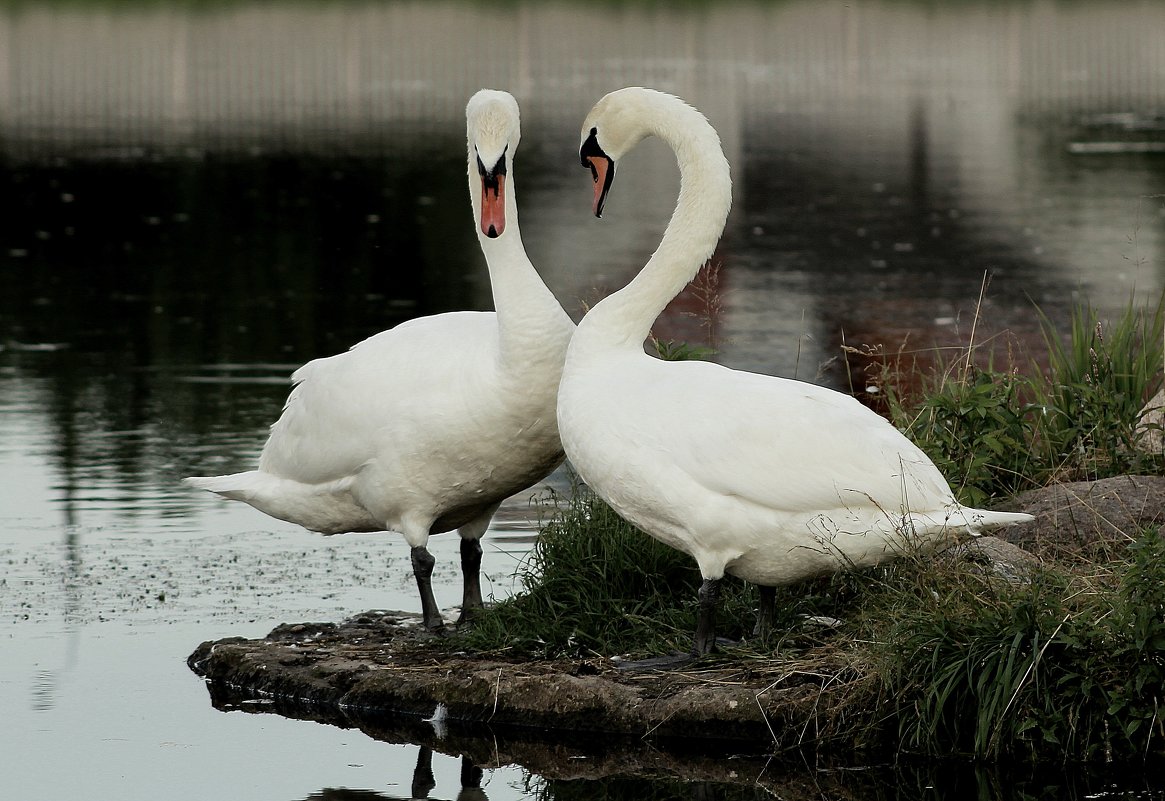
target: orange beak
<point>493,205</point>
<point>602,168</point>
<point>599,169</point>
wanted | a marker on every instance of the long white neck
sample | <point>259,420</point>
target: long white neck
<point>531,322</point>
<point>624,319</point>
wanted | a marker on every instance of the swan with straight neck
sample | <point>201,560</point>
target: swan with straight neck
<point>768,479</point>
<point>427,427</point>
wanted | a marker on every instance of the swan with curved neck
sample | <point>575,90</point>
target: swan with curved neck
<point>427,427</point>
<point>768,479</point>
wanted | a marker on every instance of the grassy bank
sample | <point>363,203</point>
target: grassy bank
<point>932,654</point>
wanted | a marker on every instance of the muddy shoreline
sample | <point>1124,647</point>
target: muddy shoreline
<point>379,671</point>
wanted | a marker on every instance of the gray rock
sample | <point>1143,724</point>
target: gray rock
<point>1086,520</point>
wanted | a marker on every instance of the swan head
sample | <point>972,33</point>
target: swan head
<point>616,124</point>
<point>493,129</point>
<point>625,117</point>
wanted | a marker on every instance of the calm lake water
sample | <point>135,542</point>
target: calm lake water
<point>196,199</point>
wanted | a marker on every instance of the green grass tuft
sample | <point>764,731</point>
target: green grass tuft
<point>595,584</point>
<point>978,430</point>
<point>1063,666</point>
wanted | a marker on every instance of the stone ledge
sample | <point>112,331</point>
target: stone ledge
<point>382,663</point>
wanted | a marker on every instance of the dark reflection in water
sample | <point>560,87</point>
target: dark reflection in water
<point>948,783</point>
<point>874,783</point>
<point>792,782</point>
<point>420,787</point>
<point>178,287</point>
<point>210,259</point>
<point>572,766</point>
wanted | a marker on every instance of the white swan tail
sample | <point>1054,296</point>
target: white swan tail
<point>965,518</point>
<point>237,486</point>
<point>981,520</point>
<point>328,508</point>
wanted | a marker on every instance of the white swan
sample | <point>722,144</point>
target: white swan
<point>430,425</point>
<point>767,479</point>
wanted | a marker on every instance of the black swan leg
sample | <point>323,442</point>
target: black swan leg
<point>471,601</point>
<point>423,562</point>
<point>764,615</point>
<point>706,617</point>
<point>705,634</point>
<point>470,775</point>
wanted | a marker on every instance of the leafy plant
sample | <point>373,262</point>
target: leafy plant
<point>672,351</point>
<point>978,428</point>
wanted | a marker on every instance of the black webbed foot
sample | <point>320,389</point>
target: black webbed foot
<point>670,662</point>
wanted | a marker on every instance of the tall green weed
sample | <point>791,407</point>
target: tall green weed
<point>1100,377</point>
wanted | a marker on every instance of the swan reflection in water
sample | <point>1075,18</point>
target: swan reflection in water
<point>422,783</point>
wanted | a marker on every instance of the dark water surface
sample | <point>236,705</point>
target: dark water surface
<point>195,200</point>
